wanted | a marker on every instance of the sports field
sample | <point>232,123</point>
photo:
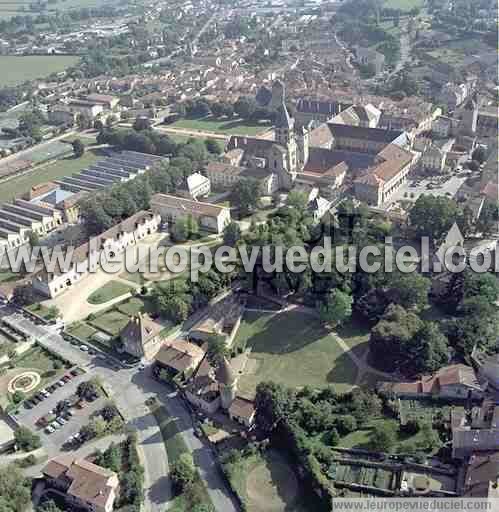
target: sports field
<point>16,70</point>
<point>233,126</point>
<point>15,187</point>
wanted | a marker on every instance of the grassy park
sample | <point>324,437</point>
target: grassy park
<point>293,349</point>
<point>230,127</point>
<point>20,69</point>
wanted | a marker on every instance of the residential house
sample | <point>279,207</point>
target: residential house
<point>178,357</point>
<point>141,337</point>
<point>482,476</point>
<point>83,484</point>
<point>451,382</point>
<point>196,185</point>
<point>476,432</point>
<point>209,216</point>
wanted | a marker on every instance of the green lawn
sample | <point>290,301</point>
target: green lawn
<point>63,167</point>
<point>82,330</point>
<point>134,305</point>
<point>109,291</point>
<point>13,7</point>
<point>230,127</point>
<point>111,322</point>
<point>361,438</point>
<point>19,69</point>
<point>293,349</point>
<point>41,310</point>
<point>6,276</point>
<point>38,359</point>
<point>405,5</point>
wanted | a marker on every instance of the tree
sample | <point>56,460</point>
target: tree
<point>383,437</point>
<point>18,396</point>
<point>52,313</point>
<point>274,404</point>
<point>409,290</point>
<point>109,411</point>
<point>433,216</point>
<point>480,285</point>
<point>489,217</point>
<point>78,148</point>
<point>213,147</point>
<point>232,234</point>
<point>474,165</point>
<point>336,308</point>
<point>183,471</point>
<point>141,124</point>
<point>245,195</point>
<point>48,506</point>
<point>180,232</point>
<point>15,489</point>
<point>34,239</point>
<point>298,200</point>
<point>26,440</point>
<point>217,350</point>
<point>87,389</point>
<point>244,107</point>
<point>429,349</point>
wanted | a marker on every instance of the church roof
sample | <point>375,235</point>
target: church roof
<point>283,119</point>
<point>225,374</point>
<point>140,329</point>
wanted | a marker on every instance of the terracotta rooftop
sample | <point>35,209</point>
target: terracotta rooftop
<point>179,355</point>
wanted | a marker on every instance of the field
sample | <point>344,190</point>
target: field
<point>111,322</point>
<point>291,348</point>
<point>17,186</point>
<point>19,69</point>
<point>232,127</point>
<point>109,291</point>
<point>12,8</point>
<point>267,483</point>
<point>404,5</point>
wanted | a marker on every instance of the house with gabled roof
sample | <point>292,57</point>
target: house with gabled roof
<point>84,484</point>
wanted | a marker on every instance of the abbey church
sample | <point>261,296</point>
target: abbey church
<point>332,158</point>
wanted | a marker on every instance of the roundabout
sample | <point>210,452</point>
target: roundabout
<point>24,382</point>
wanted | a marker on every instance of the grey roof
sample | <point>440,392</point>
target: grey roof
<point>283,119</point>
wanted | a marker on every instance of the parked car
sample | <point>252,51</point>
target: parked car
<point>66,378</point>
<point>84,348</point>
<point>55,425</point>
<point>61,421</point>
<point>49,430</point>
<point>92,352</point>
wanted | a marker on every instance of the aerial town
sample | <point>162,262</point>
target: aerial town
<point>363,130</point>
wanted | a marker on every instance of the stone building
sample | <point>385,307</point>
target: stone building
<point>141,337</point>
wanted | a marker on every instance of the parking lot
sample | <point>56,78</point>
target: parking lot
<point>445,185</point>
<point>73,421</point>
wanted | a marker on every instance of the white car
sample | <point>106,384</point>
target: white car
<point>55,425</point>
<point>84,348</point>
<point>49,430</point>
<point>60,383</point>
<point>61,421</point>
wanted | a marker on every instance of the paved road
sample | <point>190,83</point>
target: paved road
<point>130,388</point>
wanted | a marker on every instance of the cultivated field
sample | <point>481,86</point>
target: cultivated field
<point>19,69</point>
<point>291,348</point>
<point>8,10</point>
<point>230,127</point>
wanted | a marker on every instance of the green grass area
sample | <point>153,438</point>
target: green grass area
<point>234,126</point>
<point>13,8</point>
<point>82,330</point>
<point>42,311</point>
<point>15,187</point>
<point>111,322</point>
<point>362,438</point>
<point>266,481</point>
<point>135,305</point>
<point>170,432</point>
<point>6,276</point>
<point>42,361</point>
<point>19,69</point>
<point>109,291</point>
<point>294,349</point>
<point>404,5</point>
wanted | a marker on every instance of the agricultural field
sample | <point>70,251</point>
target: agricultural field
<point>292,349</point>
<point>230,127</point>
<point>14,187</point>
<point>21,69</point>
<point>13,8</point>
